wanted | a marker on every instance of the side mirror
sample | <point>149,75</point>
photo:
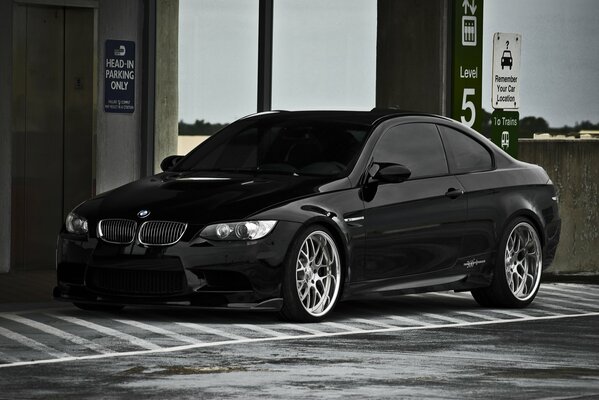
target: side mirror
<point>393,173</point>
<point>169,162</point>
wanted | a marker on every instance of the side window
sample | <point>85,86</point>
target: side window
<point>464,153</point>
<point>417,146</point>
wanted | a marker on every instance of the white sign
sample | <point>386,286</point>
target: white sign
<point>505,93</point>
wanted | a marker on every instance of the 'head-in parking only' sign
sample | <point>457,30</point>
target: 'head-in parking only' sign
<point>119,76</point>
<point>505,93</point>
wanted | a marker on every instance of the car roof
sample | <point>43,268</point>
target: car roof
<point>368,118</point>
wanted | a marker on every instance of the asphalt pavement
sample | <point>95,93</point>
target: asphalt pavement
<point>434,346</point>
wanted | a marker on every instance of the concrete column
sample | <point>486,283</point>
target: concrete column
<point>167,80</point>
<point>5,132</point>
<point>118,153</point>
<point>413,46</point>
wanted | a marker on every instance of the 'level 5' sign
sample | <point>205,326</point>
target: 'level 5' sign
<point>467,62</point>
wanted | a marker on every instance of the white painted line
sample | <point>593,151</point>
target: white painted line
<point>158,330</point>
<point>563,293</point>
<point>573,298</point>
<point>8,358</point>
<point>36,310</point>
<point>373,323</point>
<point>341,326</point>
<point>32,344</point>
<point>587,291</point>
<point>570,302</point>
<point>408,321</point>
<point>261,329</point>
<point>210,330</point>
<point>510,313</point>
<point>58,333</point>
<point>443,318</point>
<point>550,307</point>
<point>303,328</point>
<point>453,295</point>
<point>478,315</point>
<point>285,338</point>
<point>110,332</point>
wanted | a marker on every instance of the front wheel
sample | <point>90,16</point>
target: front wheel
<point>312,276</point>
<point>517,274</point>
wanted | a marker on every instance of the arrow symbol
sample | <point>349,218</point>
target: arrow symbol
<point>466,4</point>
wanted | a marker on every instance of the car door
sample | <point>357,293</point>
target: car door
<point>413,227</point>
<point>472,164</point>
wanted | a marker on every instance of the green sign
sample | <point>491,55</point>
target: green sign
<point>504,130</point>
<point>467,62</point>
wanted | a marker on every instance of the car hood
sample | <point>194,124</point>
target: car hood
<point>205,198</point>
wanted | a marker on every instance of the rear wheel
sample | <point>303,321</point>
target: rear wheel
<point>312,277</point>
<point>517,274</point>
<point>99,307</point>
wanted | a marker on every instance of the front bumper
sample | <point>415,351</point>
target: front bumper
<point>196,273</point>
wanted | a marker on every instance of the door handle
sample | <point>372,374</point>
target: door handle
<point>453,193</point>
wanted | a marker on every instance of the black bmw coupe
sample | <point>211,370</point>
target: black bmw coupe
<point>295,211</point>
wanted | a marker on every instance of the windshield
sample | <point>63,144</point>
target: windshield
<point>298,146</point>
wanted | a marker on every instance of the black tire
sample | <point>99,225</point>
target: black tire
<point>514,292</point>
<point>295,281</point>
<point>99,307</point>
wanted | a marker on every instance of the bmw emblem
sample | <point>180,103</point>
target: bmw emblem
<point>143,213</point>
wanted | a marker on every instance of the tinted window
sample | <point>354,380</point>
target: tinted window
<point>280,145</point>
<point>417,146</point>
<point>464,153</point>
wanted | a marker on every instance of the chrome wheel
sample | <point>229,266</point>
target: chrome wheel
<point>318,273</point>
<point>523,261</point>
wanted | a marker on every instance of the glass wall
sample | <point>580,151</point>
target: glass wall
<point>324,54</point>
<point>324,57</point>
<point>218,58</point>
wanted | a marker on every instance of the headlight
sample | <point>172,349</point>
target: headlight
<point>245,230</point>
<point>76,224</point>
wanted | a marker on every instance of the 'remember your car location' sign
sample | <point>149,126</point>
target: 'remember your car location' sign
<point>467,63</point>
<point>119,76</point>
<point>505,92</point>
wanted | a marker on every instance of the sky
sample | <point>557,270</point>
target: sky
<point>324,56</point>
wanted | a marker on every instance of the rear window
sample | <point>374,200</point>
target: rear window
<point>464,154</point>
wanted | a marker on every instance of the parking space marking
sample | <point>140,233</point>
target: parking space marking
<point>303,328</point>
<point>477,315</point>
<point>373,323</point>
<point>261,329</point>
<point>342,326</point>
<point>552,308</point>
<point>211,330</point>
<point>443,318</point>
<point>570,297</point>
<point>32,344</point>
<point>587,291</point>
<point>109,331</point>
<point>509,313</point>
<point>578,303</point>
<point>58,333</point>
<point>419,311</point>
<point>407,320</point>
<point>287,338</point>
<point>158,330</point>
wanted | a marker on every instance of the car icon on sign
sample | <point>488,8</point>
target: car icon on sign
<point>506,59</point>
<point>121,51</point>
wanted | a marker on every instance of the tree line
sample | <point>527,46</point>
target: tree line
<point>527,128</point>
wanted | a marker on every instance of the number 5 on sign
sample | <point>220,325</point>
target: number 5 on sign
<point>468,105</point>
